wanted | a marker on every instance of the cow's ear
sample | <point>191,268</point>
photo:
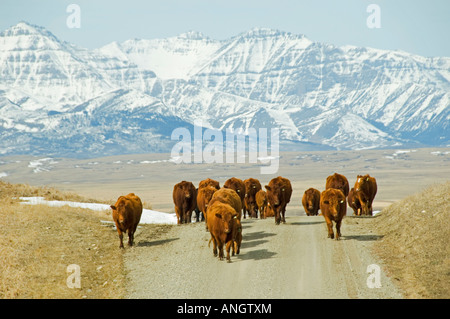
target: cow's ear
<point>218,215</point>
<point>326,202</point>
<point>268,187</point>
<point>113,207</point>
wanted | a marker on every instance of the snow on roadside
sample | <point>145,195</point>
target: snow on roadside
<point>148,216</point>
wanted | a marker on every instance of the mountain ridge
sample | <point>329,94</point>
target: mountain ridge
<point>316,94</point>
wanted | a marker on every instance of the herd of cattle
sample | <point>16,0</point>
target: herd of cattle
<point>222,208</point>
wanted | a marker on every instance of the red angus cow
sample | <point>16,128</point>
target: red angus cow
<point>222,225</point>
<point>209,182</point>
<point>126,214</point>
<point>252,186</point>
<point>338,181</point>
<point>311,201</point>
<point>204,196</point>
<point>365,191</point>
<point>184,200</point>
<point>238,186</point>
<point>334,208</point>
<point>279,193</point>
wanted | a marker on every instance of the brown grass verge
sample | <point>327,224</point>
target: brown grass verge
<point>38,243</point>
<point>416,242</point>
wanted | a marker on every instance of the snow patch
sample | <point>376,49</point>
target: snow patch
<point>148,216</point>
<point>42,165</point>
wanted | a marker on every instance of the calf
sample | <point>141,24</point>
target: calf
<point>221,223</point>
<point>353,202</point>
<point>184,200</point>
<point>311,201</point>
<point>126,214</point>
<point>261,202</point>
<point>334,207</point>
<point>279,193</point>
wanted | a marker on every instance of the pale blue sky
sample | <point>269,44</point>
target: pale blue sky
<point>420,27</point>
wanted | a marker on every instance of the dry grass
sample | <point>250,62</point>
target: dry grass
<point>37,243</point>
<point>416,242</point>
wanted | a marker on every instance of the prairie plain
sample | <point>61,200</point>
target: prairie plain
<point>399,173</point>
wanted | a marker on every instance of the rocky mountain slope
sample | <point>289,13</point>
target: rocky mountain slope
<point>59,99</point>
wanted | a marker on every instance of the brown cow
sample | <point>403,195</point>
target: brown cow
<point>238,185</point>
<point>228,196</point>
<point>279,193</point>
<point>353,202</point>
<point>338,181</point>
<point>221,223</point>
<point>334,207</point>
<point>184,200</point>
<point>204,196</point>
<point>311,201</point>
<point>252,186</point>
<point>365,191</point>
<point>126,214</point>
<point>261,202</point>
<point>209,182</point>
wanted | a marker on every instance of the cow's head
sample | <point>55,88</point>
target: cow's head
<point>269,210</point>
<point>336,202</point>
<point>361,181</point>
<point>227,219</point>
<point>120,211</point>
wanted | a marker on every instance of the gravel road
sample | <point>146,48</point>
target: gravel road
<point>292,260</point>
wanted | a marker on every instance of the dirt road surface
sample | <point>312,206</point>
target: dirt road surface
<point>292,260</point>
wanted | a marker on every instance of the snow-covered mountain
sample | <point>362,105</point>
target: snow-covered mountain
<point>59,99</point>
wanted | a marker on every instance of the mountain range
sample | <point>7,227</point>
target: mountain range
<point>62,100</point>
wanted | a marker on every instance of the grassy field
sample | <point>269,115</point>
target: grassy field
<point>416,242</point>
<point>38,243</point>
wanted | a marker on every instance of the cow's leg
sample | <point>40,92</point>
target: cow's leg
<point>220,246</point>
<point>119,232</point>
<point>330,228</point>
<point>338,229</point>
<point>229,244</point>
<point>178,213</point>
<point>130,238</point>
<point>214,245</point>
<point>283,212</point>
<point>120,238</point>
